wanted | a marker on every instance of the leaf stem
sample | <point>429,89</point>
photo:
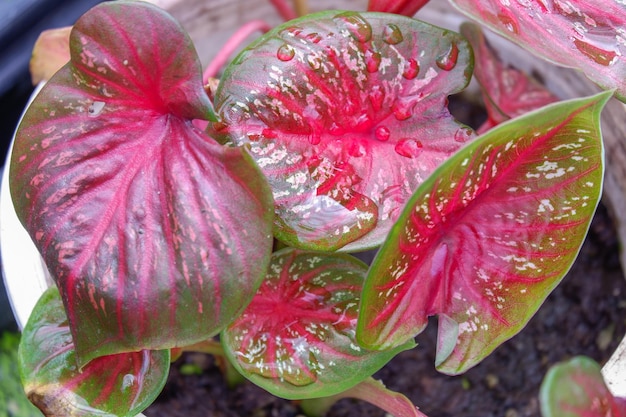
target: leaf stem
<point>283,8</point>
<point>301,7</point>
<point>214,348</point>
<point>231,46</point>
<point>370,390</point>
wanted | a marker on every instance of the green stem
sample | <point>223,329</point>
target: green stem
<point>370,390</point>
<point>215,348</point>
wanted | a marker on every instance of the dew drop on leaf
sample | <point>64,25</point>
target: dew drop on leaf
<point>372,60</point>
<point>509,23</point>
<point>411,70</point>
<point>463,134</point>
<point>356,26</point>
<point>409,148</point>
<point>314,37</point>
<point>291,31</point>
<point>96,108</point>
<point>448,60</point>
<point>376,98</point>
<point>403,109</point>
<point>315,138</point>
<point>382,133</point>
<point>392,34</point>
<point>286,53</point>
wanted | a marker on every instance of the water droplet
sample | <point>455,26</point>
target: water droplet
<point>356,25</point>
<point>315,138</point>
<point>314,37</point>
<point>600,56</point>
<point>448,60</point>
<point>392,34</point>
<point>411,69</point>
<point>509,23</point>
<point>286,52</point>
<point>463,134</point>
<point>269,133</point>
<point>372,60</point>
<point>96,108</point>
<point>376,98</point>
<point>409,148</point>
<point>403,109</point>
<point>292,31</point>
<point>315,62</point>
<point>382,133</point>
<point>356,149</point>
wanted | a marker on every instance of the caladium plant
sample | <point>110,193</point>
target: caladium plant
<point>330,132</point>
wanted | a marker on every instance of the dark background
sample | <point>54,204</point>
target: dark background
<point>21,22</point>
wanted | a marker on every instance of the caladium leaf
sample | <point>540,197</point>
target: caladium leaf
<point>487,237</point>
<point>582,34</point>
<point>507,91</point>
<point>144,221</point>
<point>346,114</point>
<point>576,388</point>
<point>296,339</point>
<point>117,385</point>
<point>403,7</point>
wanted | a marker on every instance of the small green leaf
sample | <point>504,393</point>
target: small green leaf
<point>576,388</point>
<point>116,385</point>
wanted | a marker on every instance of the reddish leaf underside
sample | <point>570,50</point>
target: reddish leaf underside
<point>487,237</point>
<point>346,114</point>
<point>576,388</point>
<point>588,35</point>
<point>296,338</point>
<point>116,385</point>
<point>156,235</point>
<point>507,91</point>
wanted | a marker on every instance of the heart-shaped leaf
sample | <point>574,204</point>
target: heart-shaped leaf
<point>582,34</point>
<point>576,388</point>
<point>346,115</point>
<point>487,237</point>
<point>296,339</point>
<point>116,385</point>
<point>507,91</point>
<point>156,235</point>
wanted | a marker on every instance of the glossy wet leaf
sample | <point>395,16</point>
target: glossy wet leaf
<point>296,338</point>
<point>403,7</point>
<point>576,388</point>
<point>487,237</point>
<point>156,235</point>
<point>116,385</point>
<point>507,91</point>
<point>582,34</point>
<point>346,115</point>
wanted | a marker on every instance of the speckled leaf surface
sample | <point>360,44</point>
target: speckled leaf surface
<point>296,339</point>
<point>576,388</point>
<point>117,385</point>
<point>507,91</point>
<point>346,115</point>
<point>487,237</point>
<point>582,34</point>
<point>145,222</point>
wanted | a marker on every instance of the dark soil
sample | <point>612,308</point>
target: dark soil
<point>585,315</point>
